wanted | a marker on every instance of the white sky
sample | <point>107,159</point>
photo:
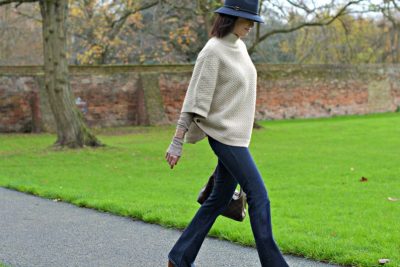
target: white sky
<point>319,3</point>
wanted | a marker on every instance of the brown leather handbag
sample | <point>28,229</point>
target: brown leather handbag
<point>236,209</point>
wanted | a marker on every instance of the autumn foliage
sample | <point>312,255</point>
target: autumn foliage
<point>151,32</point>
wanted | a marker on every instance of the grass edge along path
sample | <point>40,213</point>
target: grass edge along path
<point>336,152</point>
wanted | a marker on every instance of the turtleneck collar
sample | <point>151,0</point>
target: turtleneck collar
<point>231,38</point>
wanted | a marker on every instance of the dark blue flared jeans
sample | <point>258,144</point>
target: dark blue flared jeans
<point>235,165</point>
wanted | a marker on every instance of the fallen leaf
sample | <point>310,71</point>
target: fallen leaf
<point>393,199</point>
<point>383,261</point>
<point>363,179</point>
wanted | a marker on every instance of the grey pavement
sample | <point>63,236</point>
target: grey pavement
<point>40,232</point>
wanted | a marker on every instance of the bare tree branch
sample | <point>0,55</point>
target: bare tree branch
<point>341,12</point>
<point>119,23</point>
<point>396,5</point>
<point>5,2</point>
<point>301,5</point>
<point>127,13</point>
<point>386,11</point>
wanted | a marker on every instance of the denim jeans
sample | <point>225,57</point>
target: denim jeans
<point>235,165</point>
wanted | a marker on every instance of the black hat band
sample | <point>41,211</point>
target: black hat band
<point>241,9</point>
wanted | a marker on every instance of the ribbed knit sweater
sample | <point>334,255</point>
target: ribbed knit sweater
<point>222,93</point>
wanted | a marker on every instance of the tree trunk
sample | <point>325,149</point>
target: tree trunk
<point>71,129</point>
<point>5,50</point>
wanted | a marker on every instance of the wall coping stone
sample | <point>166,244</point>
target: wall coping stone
<point>276,69</point>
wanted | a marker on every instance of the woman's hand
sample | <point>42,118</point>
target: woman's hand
<point>172,159</point>
<point>174,151</point>
<point>175,148</point>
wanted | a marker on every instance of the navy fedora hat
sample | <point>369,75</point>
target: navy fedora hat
<point>247,9</point>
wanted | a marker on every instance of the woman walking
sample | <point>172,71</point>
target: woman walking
<point>220,105</point>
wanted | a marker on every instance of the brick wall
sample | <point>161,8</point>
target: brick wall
<point>152,95</point>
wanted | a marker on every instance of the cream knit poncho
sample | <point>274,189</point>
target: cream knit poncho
<point>222,93</point>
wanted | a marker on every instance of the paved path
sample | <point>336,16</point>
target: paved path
<point>40,232</point>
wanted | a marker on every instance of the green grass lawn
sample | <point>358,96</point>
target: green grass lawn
<point>312,170</point>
